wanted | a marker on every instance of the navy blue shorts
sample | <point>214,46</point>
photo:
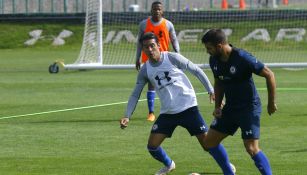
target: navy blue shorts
<point>190,119</point>
<point>246,119</point>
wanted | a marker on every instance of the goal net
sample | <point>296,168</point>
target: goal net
<point>277,37</point>
<point>90,56</point>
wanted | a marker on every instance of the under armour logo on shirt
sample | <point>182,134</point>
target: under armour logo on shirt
<point>162,78</point>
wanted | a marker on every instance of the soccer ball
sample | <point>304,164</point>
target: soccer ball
<point>194,174</point>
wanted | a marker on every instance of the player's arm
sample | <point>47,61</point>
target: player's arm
<point>271,87</point>
<point>139,46</point>
<point>173,37</point>
<point>183,63</point>
<point>260,69</point>
<point>219,95</point>
<point>134,97</point>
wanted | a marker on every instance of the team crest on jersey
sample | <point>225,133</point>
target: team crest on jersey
<point>232,70</point>
<point>154,127</point>
<point>214,122</point>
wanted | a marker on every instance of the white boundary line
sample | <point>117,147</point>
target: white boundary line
<point>124,102</point>
<point>64,110</point>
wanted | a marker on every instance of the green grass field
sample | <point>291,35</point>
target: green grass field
<point>45,131</point>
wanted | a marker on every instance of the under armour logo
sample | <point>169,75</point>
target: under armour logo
<point>57,40</point>
<point>248,132</point>
<point>162,78</point>
<point>202,127</point>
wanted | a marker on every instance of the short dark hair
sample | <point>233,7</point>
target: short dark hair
<point>156,3</point>
<point>147,36</point>
<point>215,37</point>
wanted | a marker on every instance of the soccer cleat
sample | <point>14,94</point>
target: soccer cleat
<point>233,168</point>
<point>151,117</point>
<point>166,169</point>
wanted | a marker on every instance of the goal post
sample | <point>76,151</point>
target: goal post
<point>276,37</point>
<point>91,53</point>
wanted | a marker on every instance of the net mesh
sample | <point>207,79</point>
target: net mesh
<point>91,50</point>
<point>273,36</point>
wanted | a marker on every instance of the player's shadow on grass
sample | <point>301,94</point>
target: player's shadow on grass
<point>294,151</point>
<point>208,173</point>
<point>298,115</point>
<point>83,121</point>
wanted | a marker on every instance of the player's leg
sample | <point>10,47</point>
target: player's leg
<point>194,123</point>
<point>156,150</point>
<point>260,159</point>
<point>151,102</point>
<point>250,127</point>
<point>220,128</point>
<point>161,129</point>
<point>211,143</point>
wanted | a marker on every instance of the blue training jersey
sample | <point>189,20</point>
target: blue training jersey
<point>236,77</point>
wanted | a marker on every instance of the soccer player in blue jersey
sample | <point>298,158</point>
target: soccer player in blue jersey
<point>165,70</point>
<point>232,69</point>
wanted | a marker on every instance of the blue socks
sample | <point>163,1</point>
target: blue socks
<point>160,155</point>
<point>221,157</point>
<point>262,163</point>
<point>151,101</point>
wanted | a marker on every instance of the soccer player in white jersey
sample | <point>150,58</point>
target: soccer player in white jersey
<point>165,70</point>
<point>165,31</point>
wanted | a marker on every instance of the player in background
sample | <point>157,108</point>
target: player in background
<point>165,70</point>
<point>232,69</point>
<point>166,33</point>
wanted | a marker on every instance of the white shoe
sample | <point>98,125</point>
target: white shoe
<point>166,169</point>
<point>233,168</point>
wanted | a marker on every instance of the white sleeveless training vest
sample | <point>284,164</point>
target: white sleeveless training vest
<point>175,91</point>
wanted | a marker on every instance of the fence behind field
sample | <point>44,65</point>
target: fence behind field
<point>79,6</point>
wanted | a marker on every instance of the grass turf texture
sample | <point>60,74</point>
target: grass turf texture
<point>89,141</point>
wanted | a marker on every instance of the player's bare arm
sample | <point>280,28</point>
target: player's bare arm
<point>219,95</point>
<point>271,87</point>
